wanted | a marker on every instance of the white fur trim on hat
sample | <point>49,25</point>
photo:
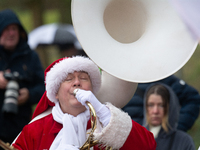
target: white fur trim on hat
<point>59,72</point>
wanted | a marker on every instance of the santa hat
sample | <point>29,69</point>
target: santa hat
<point>57,72</point>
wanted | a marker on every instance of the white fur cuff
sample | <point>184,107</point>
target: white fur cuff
<point>118,129</point>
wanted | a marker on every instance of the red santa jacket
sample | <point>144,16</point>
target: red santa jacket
<point>121,133</point>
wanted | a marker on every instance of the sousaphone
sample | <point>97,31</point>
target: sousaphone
<point>132,41</point>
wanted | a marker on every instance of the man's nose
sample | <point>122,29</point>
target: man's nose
<point>77,82</point>
<point>11,31</point>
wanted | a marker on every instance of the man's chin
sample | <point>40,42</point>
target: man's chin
<point>77,103</point>
<point>10,47</point>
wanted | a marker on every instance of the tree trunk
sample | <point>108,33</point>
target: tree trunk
<point>65,11</point>
<point>37,9</point>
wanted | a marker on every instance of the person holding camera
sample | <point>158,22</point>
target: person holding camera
<point>21,77</point>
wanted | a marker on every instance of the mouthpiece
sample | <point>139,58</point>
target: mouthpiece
<point>75,91</point>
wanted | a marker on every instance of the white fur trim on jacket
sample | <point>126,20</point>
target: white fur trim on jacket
<point>118,129</point>
<point>59,72</point>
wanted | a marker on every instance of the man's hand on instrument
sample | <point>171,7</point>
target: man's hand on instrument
<point>102,112</point>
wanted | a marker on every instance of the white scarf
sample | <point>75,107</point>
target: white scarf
<point>155,130</point>
<point>73,131</point>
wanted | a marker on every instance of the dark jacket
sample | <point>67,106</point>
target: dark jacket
<point>189,100</point>
<point>173,139</point>
<point>26,62</point>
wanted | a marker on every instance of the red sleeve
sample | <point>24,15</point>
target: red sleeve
<point>139,139</point>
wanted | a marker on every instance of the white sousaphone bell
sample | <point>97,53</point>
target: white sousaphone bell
<point>132,41</point>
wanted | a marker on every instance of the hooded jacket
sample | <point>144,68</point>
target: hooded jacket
<point>188,97</point>
<point>26,62</point>
<point>174,139</point>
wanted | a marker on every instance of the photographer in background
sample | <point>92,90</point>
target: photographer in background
<point>21,77</point>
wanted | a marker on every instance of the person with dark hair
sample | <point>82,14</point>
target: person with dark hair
<point>71,46</point>
<point>188,98</point>
<point>69,50</point>
<point>70,84</point>
<point>21,77</point>
<point>161,111</point>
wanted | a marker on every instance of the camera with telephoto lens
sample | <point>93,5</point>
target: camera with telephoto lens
<point>12,92</point>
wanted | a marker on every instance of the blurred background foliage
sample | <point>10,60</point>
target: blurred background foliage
<point>34,13</point>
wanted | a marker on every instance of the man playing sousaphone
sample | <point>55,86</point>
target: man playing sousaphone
<point>70,83</point>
